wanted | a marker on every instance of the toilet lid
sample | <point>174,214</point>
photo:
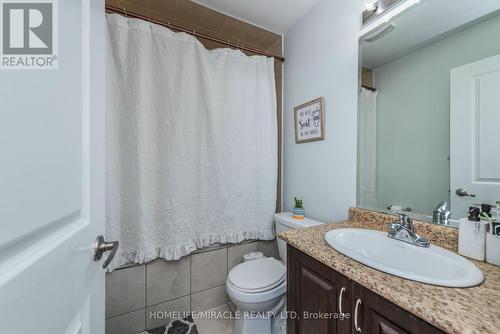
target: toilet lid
<point>257,275</point>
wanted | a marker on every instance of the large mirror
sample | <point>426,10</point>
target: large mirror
<point>429,110</point>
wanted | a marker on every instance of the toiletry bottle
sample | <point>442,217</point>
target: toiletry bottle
<point>474,213</point>
<point>495,221</point>
<point>493,239</point>
<point>472,235</point>
<point>486,210</point>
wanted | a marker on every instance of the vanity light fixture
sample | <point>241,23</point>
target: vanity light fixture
<point>380,32</point>
<point>375,21</point>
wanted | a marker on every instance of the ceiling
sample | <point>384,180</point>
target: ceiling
<point>423,24</point>
<point>274,15</point>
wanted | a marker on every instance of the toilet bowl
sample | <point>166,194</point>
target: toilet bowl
<point>258,287</point>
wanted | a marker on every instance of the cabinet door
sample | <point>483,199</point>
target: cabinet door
<point>317,296</point>
<point>380,325</point>
<point>314,293</point>
<point>376,315</point>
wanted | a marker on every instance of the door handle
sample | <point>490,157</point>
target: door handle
<point>102,246</point>
<point>356,327</point>
<point>341,294</point>
<point>463,193</point>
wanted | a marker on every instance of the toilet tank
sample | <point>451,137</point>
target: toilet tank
<point>285,221</point>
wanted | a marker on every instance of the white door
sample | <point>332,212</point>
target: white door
<point>475,135</point>
<point>52,180</point>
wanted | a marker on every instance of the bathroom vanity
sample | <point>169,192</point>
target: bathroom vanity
<point>314,287</point>
<point>320,279</point>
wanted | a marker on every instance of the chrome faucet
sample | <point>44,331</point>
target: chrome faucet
<point>404,230</point>
<point>442,214</point>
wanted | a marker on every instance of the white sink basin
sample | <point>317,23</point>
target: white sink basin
<point>432,265</point>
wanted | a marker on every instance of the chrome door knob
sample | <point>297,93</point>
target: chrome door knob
<point>102,246</point>
<point>463,193</point>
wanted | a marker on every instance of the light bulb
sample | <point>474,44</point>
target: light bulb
<point>371,7</point>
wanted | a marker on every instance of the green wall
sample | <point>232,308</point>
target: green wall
<point>413,121</point>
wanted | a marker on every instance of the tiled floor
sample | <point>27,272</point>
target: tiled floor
<point>216,326</point>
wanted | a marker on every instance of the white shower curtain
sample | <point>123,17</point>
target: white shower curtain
<point>367,148</point>
<point>192,143</point>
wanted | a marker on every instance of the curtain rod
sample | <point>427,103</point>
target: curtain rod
<point>125,12</point>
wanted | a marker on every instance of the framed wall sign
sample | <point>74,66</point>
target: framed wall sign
<point>309,121</point>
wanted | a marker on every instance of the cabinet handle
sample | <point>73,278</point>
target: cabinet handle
<point>340,300</point>
<point>356,327</point>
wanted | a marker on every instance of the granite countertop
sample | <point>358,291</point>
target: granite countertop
<point>453,310</point>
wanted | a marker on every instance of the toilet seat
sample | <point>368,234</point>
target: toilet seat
<point>263,290</point>
<point>257,276</point>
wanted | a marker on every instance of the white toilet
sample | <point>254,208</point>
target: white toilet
<point>257,287</point>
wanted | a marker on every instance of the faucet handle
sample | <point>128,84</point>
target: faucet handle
<point>393,227</point>
<point>406,221</point>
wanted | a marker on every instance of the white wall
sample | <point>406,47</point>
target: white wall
<point>321,53</point>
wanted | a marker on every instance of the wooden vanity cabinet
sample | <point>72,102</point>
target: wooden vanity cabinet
<point>314,287</point>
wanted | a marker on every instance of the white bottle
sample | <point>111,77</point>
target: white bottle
<point>472,239</point>
<point>493,239</point>
<point>493,249</point>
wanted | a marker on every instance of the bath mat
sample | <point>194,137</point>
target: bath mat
<point>179,326</point>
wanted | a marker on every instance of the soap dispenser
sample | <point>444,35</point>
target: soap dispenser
<point>472,235</point>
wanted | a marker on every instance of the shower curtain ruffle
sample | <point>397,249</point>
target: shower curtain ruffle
<point>176,252</point>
